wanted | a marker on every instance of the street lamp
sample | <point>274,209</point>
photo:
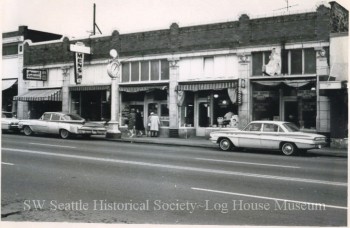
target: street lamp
<point>113,69</point>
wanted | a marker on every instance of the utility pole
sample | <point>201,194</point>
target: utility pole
<point>288,6</point>
<point>94,26</point>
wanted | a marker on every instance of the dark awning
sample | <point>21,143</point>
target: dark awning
<point>135,89</point>
<point>40,95</point>
<point>90,88</point>
<point>206,86</point>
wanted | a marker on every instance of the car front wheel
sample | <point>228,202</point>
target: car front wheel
<point>225,144</point>
<point>288,148</point>
<point>64,134</point>
<point>27,131</point>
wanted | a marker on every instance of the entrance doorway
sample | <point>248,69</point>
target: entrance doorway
<point>290,109</point>
<point>203,120</point>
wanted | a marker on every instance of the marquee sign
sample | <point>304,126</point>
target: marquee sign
<point>35,74</point>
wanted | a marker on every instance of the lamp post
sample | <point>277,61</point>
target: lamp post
<point>113,69</point>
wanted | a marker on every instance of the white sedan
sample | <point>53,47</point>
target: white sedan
<point>9,122</point>
<point>273,135</point>
<point>62,124</point>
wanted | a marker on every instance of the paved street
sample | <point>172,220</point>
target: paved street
<point>76,180</point>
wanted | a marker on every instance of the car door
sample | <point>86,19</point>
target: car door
<point>270,136</point>
<point>250,136</point>
<point>41,125</point>
<point>53,124</point>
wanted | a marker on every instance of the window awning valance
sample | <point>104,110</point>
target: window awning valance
<point>90,88</point>
<point>206,86</point>
<point>291,83</point>
<point>6,84</point>
<point>40,95</point>
<point>135,89</point>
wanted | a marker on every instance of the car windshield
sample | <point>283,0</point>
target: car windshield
<point>72,117</point>
<point>291,127</point>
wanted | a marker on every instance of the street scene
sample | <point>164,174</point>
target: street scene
<point>167,112</point>
<point>47,179</point>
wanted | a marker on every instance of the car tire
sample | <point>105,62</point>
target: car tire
<point>225,144</point>
<point>27,131</point>
<point>288,148</point>
<point>64,134</point>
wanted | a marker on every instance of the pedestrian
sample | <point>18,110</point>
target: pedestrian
<point>132,120</point>
<point>155,122</point>
<point>139,123</point>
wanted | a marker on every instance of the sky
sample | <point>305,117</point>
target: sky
<point>74,18</point>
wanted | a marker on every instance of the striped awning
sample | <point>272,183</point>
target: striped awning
<point>135,89</point>
<point>40,95</point>
<point>90,88</point>
<point>206,86</point>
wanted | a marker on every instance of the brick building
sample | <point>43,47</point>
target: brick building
<point>12,61</point>
<point>192,76</point>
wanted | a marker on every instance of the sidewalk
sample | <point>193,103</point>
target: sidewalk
<point>203,143</point>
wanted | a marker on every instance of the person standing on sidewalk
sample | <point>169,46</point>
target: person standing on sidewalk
<point>132,120</point>
<point>155,122</point>
<point>139,123</point>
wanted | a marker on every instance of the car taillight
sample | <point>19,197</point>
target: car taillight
<point>321,139</point>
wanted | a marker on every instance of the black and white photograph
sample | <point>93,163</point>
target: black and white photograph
<point>155,113</point>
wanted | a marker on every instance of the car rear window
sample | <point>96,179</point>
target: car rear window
<point>291,127</point>
<point>72,117</point>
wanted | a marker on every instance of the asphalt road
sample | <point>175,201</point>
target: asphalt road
<point>76,180</point>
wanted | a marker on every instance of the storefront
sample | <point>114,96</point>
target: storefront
<point>91,102</point>
<point>286,100</point>
<point>146,98</point>
<point>40,101</point>
<point>203,106</point>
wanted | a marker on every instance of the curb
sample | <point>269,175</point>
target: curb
<point>162,143</point>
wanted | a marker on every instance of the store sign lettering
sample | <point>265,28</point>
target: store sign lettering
<point>78,65</point>
<point>35,74</point>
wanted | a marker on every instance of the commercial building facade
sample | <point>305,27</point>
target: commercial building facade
<point>192,76</point>
<point>12,61</point>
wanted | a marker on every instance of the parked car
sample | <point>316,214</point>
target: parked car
<point>9,122</point>
<point>270,135</point>
<point>62,124</point>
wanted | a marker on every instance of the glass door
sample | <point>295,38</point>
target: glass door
<point>203,116</point>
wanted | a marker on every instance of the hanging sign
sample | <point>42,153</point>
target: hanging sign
<point>35,74</point>
<point>79,48</point>
<point>78,67</point>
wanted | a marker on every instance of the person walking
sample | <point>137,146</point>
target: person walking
<point>132,120</point>
<point>139,123</point>
<point>155,122</point>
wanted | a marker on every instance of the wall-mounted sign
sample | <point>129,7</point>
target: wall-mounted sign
<point>78,67</point>
<point>35,74</point>
<point>306,93</point>
<point>330,85</point>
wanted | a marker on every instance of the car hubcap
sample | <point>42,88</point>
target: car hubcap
<point>225,144</point>
<point>27,130</point>
<point>64,134</point>
<point>288,149</point>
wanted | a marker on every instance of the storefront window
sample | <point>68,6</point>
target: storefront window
<point>135,71</point>
<point>125,72</point>
<point>164,115</point>
<point>221,106</point>
<point>296,61</point>
<point>310,61</point>
<point>144,70</point>
<point>266,103</point>
<point>260,59</point>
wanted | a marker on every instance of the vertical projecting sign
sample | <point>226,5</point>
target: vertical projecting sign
<point>79,50</point>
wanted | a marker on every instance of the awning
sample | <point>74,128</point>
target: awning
<point>40,95</point>
<point>135,89</point>
<point>206,86</point>
<point>90,88</point>
<point>291,83</point>
<point>8,83</point>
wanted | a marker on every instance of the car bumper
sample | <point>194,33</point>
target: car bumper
<point>311,146</point>
<point>10,127</point>
<point>91,132</point>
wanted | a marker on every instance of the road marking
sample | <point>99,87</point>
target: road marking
<point>268,198</point>
<point>5,163</point>
<point>42,144</point>
<point>211,171</point>
<point>249,163</point>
